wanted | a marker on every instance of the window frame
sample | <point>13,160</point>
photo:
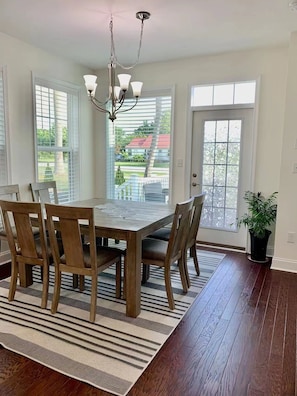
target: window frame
<point>73,147</point>
<point>6,179</point>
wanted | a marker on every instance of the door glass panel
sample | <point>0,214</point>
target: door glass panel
<point>220,173</point>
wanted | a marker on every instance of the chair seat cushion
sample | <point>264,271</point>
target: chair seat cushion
<point>104,255</point>
<point>163,233</point>
<point>154,249</point>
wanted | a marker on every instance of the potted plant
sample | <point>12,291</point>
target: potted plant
<point>260,216</point>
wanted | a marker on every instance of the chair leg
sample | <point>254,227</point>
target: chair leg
<point>75,281</point>
<point>118,279</point>
<point>169,287</point>
<point>184,261</point>
<point>184,275</point>
<point>81,283</point>
<point>45,281</point>
<point>93,307</point>
<point>124,280</point>
<point>13,279</point>
<point>193,252</point>
<point>56,295</point>
<point>145,273</point>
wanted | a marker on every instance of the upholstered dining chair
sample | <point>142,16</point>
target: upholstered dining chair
<point>45,192</point>
<point>164,233</point>
<point>79,258</point>
<point>165,253</point>
<point>25,248</point>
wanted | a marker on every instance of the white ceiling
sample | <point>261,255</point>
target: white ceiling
<point>79,29</point>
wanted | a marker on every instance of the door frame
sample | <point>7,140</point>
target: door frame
<point>189,138</point>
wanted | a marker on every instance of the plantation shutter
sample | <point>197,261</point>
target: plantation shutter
<point>138,147</point>
<point>3,142</point>
<point>56,136</point>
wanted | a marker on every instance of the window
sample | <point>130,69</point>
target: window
<point>3,141</point>
<point>56,136</point>
<point>223,94</point>
<point>139,150</point>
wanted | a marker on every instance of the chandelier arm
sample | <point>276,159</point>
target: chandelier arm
<point>130,108</point>
<point>96,101</point>
<point>98,107</point>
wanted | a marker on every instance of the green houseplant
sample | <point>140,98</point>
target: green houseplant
<point>260,216</point>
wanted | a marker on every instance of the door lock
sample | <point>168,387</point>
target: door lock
<point>194,175</point>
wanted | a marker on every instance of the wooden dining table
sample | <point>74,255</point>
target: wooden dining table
<point>130,221</point>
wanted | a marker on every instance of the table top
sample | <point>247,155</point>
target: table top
<point>127,216</point>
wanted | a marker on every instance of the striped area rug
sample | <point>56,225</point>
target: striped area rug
<point>112,353</point>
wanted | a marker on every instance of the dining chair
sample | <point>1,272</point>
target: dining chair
<point>25,248</point>
<point>45,192</point>
<point>11,192</point>
<point>79,258</point>
<point>164,233</point>
<point>165,253</point>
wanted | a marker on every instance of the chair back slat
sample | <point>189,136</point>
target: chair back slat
<point>68,222</point>
<point>21,220</point>
<point>195,219</point>
<point>179,230</point>
<point>17,216</point>
<point>11,192</point>
<point>69,231</point>
<point>25,236</point>
<point>45,192</point>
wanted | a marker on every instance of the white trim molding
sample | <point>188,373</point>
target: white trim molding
<point>281,264</point>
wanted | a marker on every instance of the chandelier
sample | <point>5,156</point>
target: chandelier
<point>117,93</point>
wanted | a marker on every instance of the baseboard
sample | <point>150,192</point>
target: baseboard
<point>281,264</point>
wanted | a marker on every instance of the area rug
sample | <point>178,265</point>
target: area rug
<point>112,353</point>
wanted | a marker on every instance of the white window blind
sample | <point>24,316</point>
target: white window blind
<point>56,136</point>
<point>139,147</point>
<point>3,142</point>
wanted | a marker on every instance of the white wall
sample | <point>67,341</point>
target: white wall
<point>285,256</point>
<point>21,60</point>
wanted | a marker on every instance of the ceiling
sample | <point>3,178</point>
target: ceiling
<point>79,29</point>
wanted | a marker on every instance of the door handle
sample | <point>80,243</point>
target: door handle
<point>195,184</point>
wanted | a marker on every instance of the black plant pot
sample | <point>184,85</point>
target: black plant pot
<point>259,247</point>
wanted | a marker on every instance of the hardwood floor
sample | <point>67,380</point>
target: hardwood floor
<point>238,338</point>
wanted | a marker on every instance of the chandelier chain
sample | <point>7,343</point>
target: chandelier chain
<point>113,56</point>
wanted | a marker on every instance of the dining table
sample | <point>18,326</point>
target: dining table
<point>130,221</point>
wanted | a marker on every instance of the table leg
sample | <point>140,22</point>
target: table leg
<point>133,275</point>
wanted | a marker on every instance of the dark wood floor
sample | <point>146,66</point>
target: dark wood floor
<point>239,338</point>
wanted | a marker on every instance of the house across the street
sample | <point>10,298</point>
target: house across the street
<point>142,146</point>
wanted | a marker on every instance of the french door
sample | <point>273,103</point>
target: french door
<point>222,159</point>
